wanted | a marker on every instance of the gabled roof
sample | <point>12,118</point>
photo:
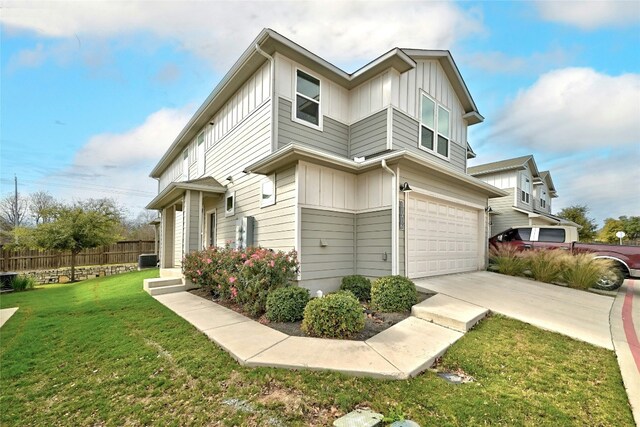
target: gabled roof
<point>176,189</point>
<point>270,42</point>
<point>517,163</point>
<point>470,153</point>
<point>546,177</point>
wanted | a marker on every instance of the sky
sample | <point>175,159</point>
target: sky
<point>92,93</point>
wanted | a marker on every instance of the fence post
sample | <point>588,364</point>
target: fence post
<point>5,255</point>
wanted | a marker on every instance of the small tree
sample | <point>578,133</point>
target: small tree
<point>79,226</point>
<point>630,226</point>
<point>578,214</point>
<point>41,206</point>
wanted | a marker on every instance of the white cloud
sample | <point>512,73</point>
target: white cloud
<point>117,165</point>
<point>501,63</point>
<point>606,183</point>
<point>28,58</point>
<point>341,31</point>
<point>571,109</point>
<point>589,15</point>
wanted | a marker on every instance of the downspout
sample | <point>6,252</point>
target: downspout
<point>394,218</point>
<point>274,104</point>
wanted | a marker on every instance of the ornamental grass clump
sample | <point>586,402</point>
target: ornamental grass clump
<point>359,285</point>
<point>243,276</point>
<point>287,304</point>
<point>22,282</point>
<point>582,271</point>
<point>546,265</point>
<point>338,315</point>
<point>393,294</point>
<point>506,259</point>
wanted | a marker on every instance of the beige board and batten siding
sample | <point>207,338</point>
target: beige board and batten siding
<point>406,136</point>
<point>334,99</point>
<point>326,188</point>
<point>373,243</point>
<point>327,248</point>
<point>252,96</point>
<point>333,138</point>
<point>504,215</point>
<point>369,135</point>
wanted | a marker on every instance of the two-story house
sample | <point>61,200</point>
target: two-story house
<point>362,173</point>
<point>529,193</point>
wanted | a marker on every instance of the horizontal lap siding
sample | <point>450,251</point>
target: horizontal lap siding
<point>369,135</point>
<point>504,215</point>
<point>373,231</point>
<point>337,230</point>
<point>406,135</point>
<point>274,225</point>
<point>333,138</point>
<point>428,180</point>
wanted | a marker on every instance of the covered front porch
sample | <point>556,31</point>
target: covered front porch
<point>185,226</point>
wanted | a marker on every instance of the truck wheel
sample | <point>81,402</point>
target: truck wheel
<point>611,280</point>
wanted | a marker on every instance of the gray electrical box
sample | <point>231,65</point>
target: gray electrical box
<point>244,232</point>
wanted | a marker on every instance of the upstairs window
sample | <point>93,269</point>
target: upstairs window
<point>525,188</point>
<point>435,127</point>
<point>543,200</point>
<point>307,98</point>
<point>200,159</point>
<point>185,165</point>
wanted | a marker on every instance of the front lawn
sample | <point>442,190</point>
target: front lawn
<point>104,352</point>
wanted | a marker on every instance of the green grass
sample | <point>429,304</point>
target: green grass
<point>104,352</point>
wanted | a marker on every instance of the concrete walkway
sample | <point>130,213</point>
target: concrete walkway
<point>577,314</point>
<point>625,329</point>
<point>402,351</point>
<point>6,313</point>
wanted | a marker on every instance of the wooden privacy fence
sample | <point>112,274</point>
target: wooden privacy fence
<point>118,253</point>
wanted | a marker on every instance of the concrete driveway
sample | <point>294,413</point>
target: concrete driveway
<point>578,314</point>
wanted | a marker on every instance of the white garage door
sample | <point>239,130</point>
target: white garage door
<point>442,237</point>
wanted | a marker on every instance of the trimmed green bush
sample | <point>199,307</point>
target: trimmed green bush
<point>287,304</point>
<point>393,294</point>
<point>359,285</point>
<point>22,283</point>
<point>336,315</point>
<point>506,259</point>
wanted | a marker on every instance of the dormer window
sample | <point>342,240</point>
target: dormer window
<point>307,98</point>
<point>434,127</point>
<point>525,189</point>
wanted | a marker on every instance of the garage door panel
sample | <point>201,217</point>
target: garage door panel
<point>442,237</point>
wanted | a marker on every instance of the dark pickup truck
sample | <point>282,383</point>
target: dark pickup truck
<point>626,258</point>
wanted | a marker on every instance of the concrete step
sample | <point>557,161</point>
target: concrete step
<point>449,312</point>
<point>166,290</point>
<point>160,282</point>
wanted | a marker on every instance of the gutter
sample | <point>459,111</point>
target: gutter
<point>394,218</point>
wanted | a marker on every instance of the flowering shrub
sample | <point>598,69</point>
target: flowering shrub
<point>243,276</point>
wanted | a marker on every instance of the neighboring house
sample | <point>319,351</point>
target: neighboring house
<point>530,192</point>
<point>291,152</point>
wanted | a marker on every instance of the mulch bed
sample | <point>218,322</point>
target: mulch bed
<point>374,322</point>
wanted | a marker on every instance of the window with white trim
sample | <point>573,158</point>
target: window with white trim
<point>543,199</point>
<point>230,203</point>
<point>525,188</point>
<point>185,165</point>
<point>307,98</point>
<point>435,127</point>
<point>200,156</point>
<point>268,191</point>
